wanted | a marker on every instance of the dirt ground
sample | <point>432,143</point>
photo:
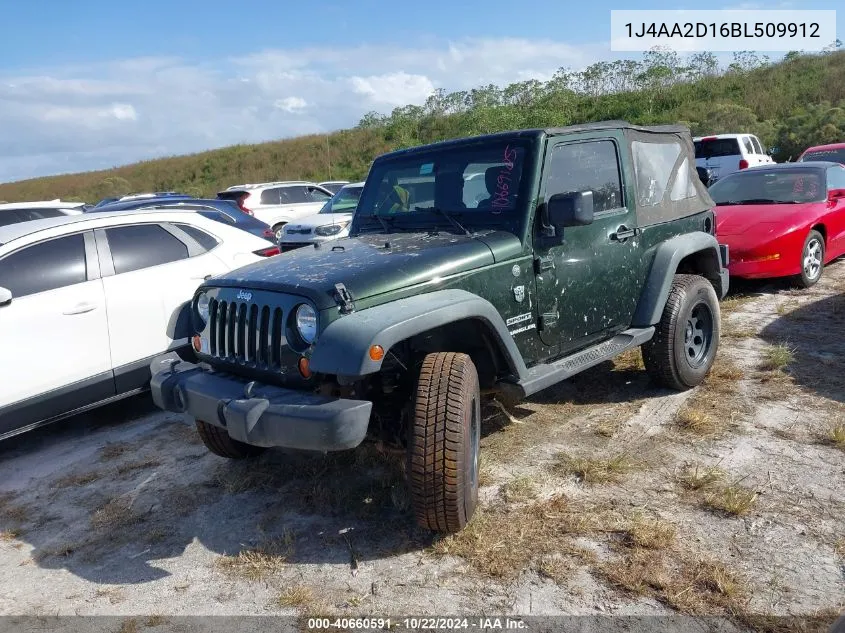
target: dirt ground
<point>602,495</point>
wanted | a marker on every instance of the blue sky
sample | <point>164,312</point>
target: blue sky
<point>92,83</point>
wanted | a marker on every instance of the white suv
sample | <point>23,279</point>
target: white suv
<point>723,154</point>
<point>277,203</point>
<point>87,301</point>
<point>14,212</point>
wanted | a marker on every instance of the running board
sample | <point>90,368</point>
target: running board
<point>540,377</point>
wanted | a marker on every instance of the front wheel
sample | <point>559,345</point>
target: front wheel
<point>279,230</point>
<point>218,442</point>
<point>812,260</point>
<point>687,338</point>
<point>444,445</point>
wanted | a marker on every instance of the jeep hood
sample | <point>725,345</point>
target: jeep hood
<point>371,264</point>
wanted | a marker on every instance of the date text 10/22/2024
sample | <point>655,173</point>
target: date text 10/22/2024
<point>419,624</point>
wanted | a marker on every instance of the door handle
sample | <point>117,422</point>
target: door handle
<point>80,308</point>
<point>623,233</point>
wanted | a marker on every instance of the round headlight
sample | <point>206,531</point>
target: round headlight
<point>202,308</point>
<point>306,323</point>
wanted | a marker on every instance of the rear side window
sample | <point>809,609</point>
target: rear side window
<point>749,146</point>
<point>44,266</point>
<point>757,145</point>
<point>205,240</point>
<point>318,195</point>
<point>143,246</point>
<point>591,166</point>
<point>270,196</point>
<point>293,195</point>
<point>836,178</point>
<point>716,148</point>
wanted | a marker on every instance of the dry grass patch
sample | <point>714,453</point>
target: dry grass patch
<point>629,360</point>
<point>689,584</point>
<point>132,467</point>
<point>79,479</point>
<point>595,469</point>
<point>696,420</point>
<point>129,625</point>
<point>649,533</point>
<point>62,550</point>
<point>260,562</point>
<point>115,513</point>
<point>733,500</point>
<point>697,477</point>
<point>114,595</point>
<point>739,333</point>
<point>734,303</point>
<point>7,536</point>
<point>155,620</point>
<point>717,404</point>
<point>519,490</point>
<point>114,450</point>
<point>836,436</point>
<point>777,357</point>
<point>297,596</point>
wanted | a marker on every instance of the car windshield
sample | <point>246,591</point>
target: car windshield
<point>480,184</point>
<point>770,186</point>
<point>344,201</point>
<point>834,155</point>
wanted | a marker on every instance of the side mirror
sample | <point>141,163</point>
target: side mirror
<point>5,296</point>
<point>704,175</point>
<point>833,194</point>
<point>570,209</point>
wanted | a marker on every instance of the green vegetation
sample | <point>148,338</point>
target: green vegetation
<point>792,104</point>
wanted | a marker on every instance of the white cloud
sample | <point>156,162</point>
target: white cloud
<point>291,104</point>
<point>75,118</point>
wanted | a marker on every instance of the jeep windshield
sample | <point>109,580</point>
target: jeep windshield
<point>477,185</point>
<point>770,186</point>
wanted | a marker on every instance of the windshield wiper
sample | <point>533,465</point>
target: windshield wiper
<point>451,219</point>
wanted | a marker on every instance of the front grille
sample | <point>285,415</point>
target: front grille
<point>246,333</point>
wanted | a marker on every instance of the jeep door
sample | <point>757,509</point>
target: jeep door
<point>587,277</point>
<point>152,272</point>
<point>53,333</point>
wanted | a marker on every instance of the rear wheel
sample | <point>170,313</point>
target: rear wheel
<point>218,442</point>
<point>812,260</point>
<point>279,230</point>
<point>687,338</point>
<point>444,445</point>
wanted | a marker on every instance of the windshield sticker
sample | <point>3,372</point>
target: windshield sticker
<point>426,169</point>
<point>503,182</point>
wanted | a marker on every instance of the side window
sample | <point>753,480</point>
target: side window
<point>835,179</point>
<point>270,196</point>
<point>143,246</point>
<point>293,195</point>
<point>44,266</point>
<point>205,240</point>
<point>749,147</point>
<point>758,147</point>
<point>38,214</point>
<point>591,166</point>
<point>317,195</point>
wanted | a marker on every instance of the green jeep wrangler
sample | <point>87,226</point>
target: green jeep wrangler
<point>506,262</point>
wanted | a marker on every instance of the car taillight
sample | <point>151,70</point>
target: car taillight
<point>241,206</point>
<point>743,164</point>
<point>267,252</point>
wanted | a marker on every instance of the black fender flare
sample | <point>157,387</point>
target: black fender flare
<point>343,347</point>
<point>667,257</point>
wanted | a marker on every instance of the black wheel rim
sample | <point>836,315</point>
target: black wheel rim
<point>698,335</point>
<point>474,440</point>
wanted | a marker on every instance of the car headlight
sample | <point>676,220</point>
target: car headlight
<point>202,308</point>
<point>330,229</point>
<point>306,323</point>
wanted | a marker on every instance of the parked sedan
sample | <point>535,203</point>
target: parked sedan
<point>782,220</point>
<point>224,211</point>
<point>87,301</point>
<point>14,212</point>
<point>835,152</point>
<point>331,223</point>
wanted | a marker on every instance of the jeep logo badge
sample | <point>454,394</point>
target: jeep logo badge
<point>243,294</point>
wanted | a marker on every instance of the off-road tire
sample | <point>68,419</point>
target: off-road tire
<point>806,279</point>
<point>668,357</point>
<point>218,442</point>
<point>443,445</point>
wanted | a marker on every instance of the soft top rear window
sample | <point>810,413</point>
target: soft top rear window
<point>716,147</point>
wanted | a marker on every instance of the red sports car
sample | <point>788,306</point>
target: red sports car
<point>782,220</point>
<point>834,152</point>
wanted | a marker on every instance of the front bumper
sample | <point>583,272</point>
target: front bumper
<point>257,414</point>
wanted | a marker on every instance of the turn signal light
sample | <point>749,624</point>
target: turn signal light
<point>304,367</point>
<point>376,352</point>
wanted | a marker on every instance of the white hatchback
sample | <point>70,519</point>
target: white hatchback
<point>277,203</point>
<point>723,154</point>
<point>87,301</point>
